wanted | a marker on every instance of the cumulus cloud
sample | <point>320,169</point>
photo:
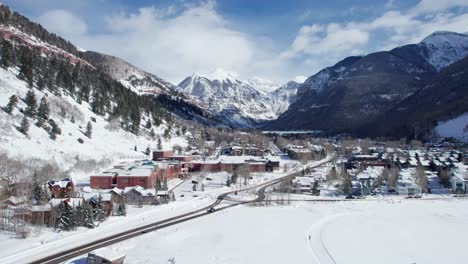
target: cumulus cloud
<point>320,45</point>
<point>174,41</point>
<point>63,23</point>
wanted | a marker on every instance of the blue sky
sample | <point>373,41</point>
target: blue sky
<point>272,40</point>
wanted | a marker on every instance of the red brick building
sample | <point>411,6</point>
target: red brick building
<point>144,176</point>
<point>105,180</point>
<point>162,154</point>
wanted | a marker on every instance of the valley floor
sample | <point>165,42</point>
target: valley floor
<point>387,230</point>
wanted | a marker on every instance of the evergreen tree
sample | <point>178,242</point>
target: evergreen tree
<point>38,190</point>
<point>152,134</point>
<point>88,216</point>
<point>167,133</point>
<point>148,124</point>
<point>89,129</point>
<point>43,110</point>
<point>11,104</point>
<point>99,213</point>
<point>147,151</point>
<point>31,103</point>
<point>72,119</point>
<point>24,126</point>
<point>54,129</point>
<point>66,220</point>
<point>184,130</point>
<point>135,148</point>
<point>41,83</point>
<point>7,53</point>
<point>159,146</point>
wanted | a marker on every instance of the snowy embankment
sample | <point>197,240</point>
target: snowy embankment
<point>47,241</point>
<point>108,142</point>
<point>397,231</point>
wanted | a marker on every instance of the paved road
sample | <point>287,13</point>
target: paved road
<point>88,247</point>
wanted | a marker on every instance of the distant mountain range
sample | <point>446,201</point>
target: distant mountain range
<point>402,92</point>
<point>239,103</point>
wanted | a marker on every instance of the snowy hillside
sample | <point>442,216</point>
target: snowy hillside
<point>284,96</point>
<point>107,143</point>
<point>445,48</point>
<point>130,76</point>
<point>456,128</point>
<point>238,102</point>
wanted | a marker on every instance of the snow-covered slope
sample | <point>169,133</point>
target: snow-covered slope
<point>445,48</point>
<point>129,75</point>
<point>237,102</point>
<point>283,97</point>
<point>456,128</point>
<point>108,141</point>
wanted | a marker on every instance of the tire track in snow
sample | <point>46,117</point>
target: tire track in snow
<point>316,243</point>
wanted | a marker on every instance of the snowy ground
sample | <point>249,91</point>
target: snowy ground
<point>382,231</point>
<point>14,250</point>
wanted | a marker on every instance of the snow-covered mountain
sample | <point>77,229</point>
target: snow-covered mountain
<point>236,102</point>
<point>283,97</point>
<point>130,76</point>
<point>92,119</point>
<point>239,103</point>
<point>355,94</point>
<point>444,48</point>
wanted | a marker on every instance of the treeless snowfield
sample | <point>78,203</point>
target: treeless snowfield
<point>378,231</point>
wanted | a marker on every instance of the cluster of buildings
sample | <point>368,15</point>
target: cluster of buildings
<point>144,173</point>
<point>304,153</point>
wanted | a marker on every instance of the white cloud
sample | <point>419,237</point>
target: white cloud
<point>300,78</point>
<point>321,45</point>
<point>174,41</point>
<point>63,23</point>
<point>429,6</point>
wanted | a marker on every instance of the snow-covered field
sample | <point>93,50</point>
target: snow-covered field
<point>14,250</point>
<point>380,231</point>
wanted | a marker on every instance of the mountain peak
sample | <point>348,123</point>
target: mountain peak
<point>444,48</point>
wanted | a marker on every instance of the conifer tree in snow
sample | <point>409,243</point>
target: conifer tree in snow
<point>43,112</point>
<point>147,151</point>
<point>99,213</point>
<point>7,53</point>
<point>11,104</point>
<point>152,134</point>
<point>89,129</point>
<point>31,103</point>
<point>135,148</point>
<point>159,144</point>
<point>54,129</point>
<point>148,124</point>
<point>66,221</point>
<point>39,193</point>
<point>24,126</point>
<point>88,216</point>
